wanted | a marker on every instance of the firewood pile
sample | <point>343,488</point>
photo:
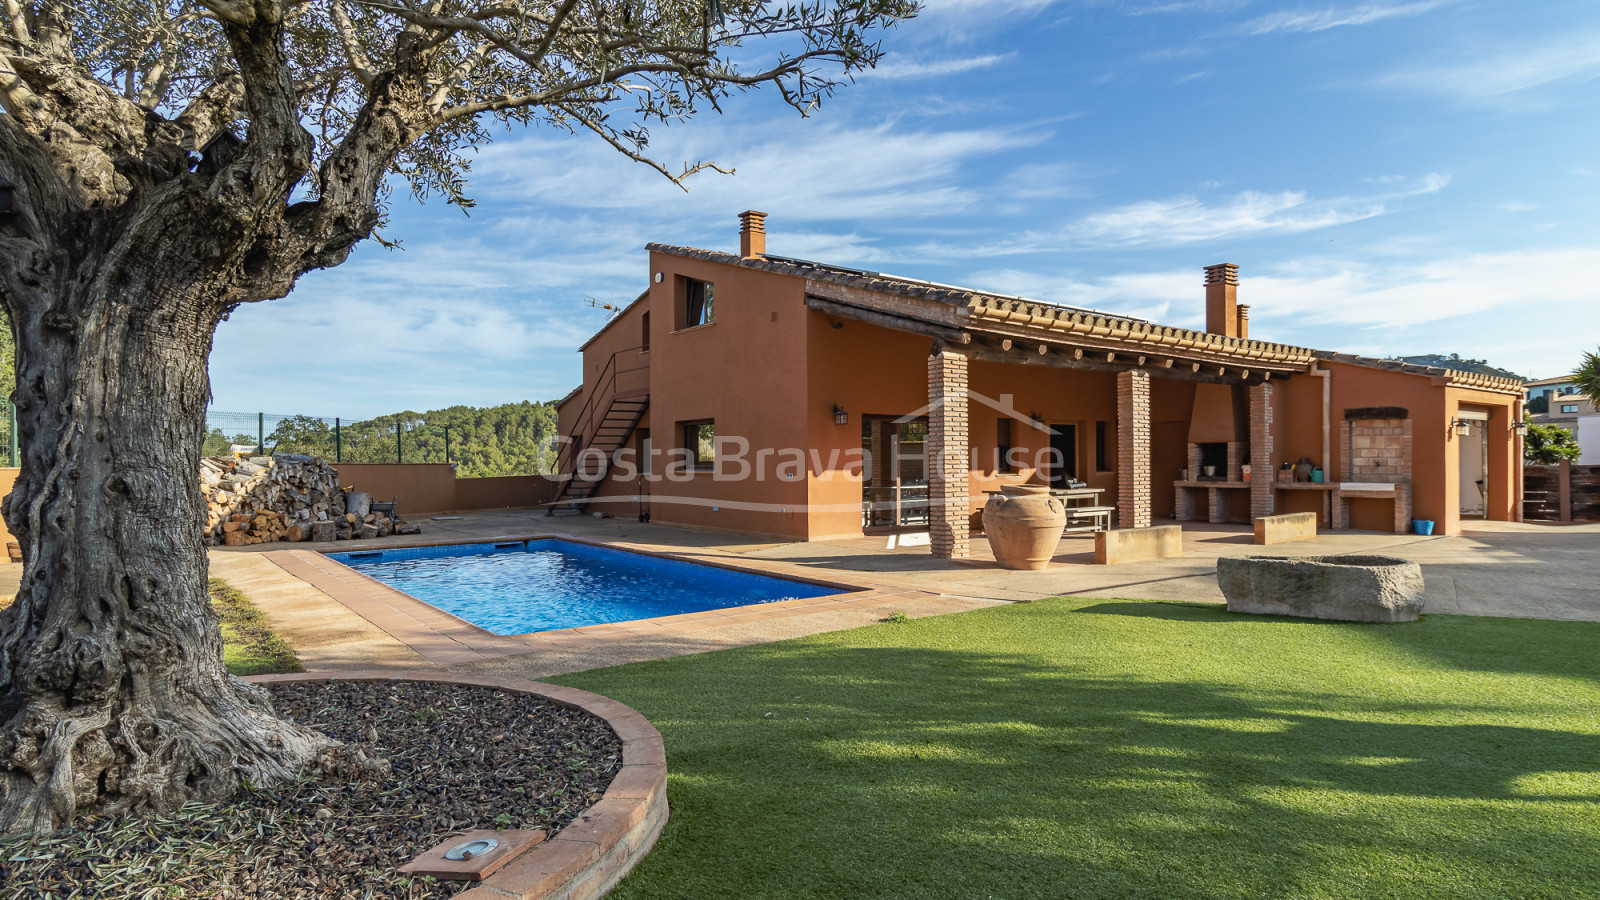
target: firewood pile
<point>289,497</point>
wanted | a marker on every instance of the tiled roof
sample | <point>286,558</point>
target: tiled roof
<point>1456,377</point>
<point>856,278</point>
<point>1138,334</point>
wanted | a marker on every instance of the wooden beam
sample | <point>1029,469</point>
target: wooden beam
<point>887,320</point>
<point>995,351</point>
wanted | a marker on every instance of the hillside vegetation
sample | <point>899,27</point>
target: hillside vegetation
<point>511,439</point>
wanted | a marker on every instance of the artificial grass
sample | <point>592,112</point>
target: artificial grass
<point>249,645</point>
<point>1092,748</point>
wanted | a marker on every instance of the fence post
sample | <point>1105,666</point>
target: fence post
<point>261,433</point>
<point>399,444</point>
<point>446,444</point>
<point>15,461</point>
<point>338,442</point>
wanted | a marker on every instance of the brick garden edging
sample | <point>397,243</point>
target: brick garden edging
<point>588,857</point>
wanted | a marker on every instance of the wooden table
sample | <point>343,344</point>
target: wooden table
<point>1090,516</point>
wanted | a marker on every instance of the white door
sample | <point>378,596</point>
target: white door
<point>1474,463</point>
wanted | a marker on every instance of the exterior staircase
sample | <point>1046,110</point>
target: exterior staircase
<point>608,418</point>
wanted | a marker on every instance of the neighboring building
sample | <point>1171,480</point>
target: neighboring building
<point>1548,387</point>
<point>789,398</point>
<point>1565,410</point>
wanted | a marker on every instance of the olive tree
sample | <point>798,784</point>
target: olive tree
<point>172,159</point>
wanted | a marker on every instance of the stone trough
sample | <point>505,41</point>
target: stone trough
<point>1347,588</point>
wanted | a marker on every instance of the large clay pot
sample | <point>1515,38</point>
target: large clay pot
<point>1024,525</point>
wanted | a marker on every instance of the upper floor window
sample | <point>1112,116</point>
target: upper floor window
<point>1569,407</point>
<point>644,330</point>
<point>696,303</point>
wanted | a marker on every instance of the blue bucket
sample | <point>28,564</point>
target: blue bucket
<point>1422,526</point>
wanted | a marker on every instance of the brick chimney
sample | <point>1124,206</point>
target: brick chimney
<point>1244,322</point>
<point>752,234</point>
<point>1222,299</point>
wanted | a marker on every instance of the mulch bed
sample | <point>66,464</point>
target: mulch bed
<point>463,758</point>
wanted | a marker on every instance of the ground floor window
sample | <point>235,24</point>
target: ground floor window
<point>700,443</point>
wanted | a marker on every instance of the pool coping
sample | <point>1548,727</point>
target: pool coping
<point>444,639</point>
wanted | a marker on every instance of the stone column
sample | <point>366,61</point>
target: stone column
<point>1261,451</point>
<point>949,509</point>
<point>1133,449</point>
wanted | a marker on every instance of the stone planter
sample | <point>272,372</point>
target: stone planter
<point>1024,524</point>
<point>1347,588</point>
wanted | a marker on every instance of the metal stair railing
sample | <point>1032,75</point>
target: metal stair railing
<point>618,382</point>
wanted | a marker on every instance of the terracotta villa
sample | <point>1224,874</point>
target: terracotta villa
<point>759,394</point>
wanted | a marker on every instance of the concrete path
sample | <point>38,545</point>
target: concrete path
<point>1540,571</point>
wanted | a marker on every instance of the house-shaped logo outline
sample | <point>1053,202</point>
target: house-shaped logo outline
<point>1004,405</point>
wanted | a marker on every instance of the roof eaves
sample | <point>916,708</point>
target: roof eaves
<point>1138,332</point>
<point>1453,377</point>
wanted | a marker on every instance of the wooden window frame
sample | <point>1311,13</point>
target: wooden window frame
<point>692,444</point>
<point>1003,436</point>
<point>705,307</point>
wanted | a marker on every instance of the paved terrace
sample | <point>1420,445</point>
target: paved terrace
<point>1501,569</point>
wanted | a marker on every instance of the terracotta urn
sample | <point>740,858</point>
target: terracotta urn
<point>1024,525</point>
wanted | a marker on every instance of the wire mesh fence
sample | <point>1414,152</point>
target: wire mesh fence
<point>387,439</point>
<point>8,433</point>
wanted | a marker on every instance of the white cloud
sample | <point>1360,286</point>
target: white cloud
<point>1189,219</point>
<point>1309,20</point>
<point>895,67</point>
<point>1494,306</point>
<point>797,171</point>
<point>1574,59</point>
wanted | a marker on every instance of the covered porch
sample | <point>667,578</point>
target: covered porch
<point>1021,392</point>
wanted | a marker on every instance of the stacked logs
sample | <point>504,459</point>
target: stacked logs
<point>289,497</point>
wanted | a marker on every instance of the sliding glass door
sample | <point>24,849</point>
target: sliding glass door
<point>894,492</point>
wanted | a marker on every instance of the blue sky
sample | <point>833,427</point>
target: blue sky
<point>1392,177</point>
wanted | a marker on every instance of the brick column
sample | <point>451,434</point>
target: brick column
<point>949,508</point>
<point>1261,452</point>
<point>1133,449</point>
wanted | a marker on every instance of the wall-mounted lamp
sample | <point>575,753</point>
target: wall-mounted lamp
<point>1463,427</point>
<point>1521,428</point>
<point>840,417</point>
<point>1038,420</point>
<point>8,193</point>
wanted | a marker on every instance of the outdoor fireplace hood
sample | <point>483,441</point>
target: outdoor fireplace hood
<point>1212,419</point>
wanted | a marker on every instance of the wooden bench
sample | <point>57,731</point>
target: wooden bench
<point>1088,518</point>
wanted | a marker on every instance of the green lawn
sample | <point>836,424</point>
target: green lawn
<point>1092,748</point>
<point>249,645</point>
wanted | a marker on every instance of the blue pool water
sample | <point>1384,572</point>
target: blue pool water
<point>542,585</point>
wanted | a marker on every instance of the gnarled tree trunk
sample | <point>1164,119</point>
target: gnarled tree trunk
<point>113,694</point>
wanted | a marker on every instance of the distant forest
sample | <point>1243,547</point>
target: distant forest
<point>513,439</point>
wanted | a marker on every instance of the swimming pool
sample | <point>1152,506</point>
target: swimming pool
<point>542,585</point>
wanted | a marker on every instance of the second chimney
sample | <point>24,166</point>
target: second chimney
<point>1244,323</point>
<point>1222,300</point>
<point>752,234</point>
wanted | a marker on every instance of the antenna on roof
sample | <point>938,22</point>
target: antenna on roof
<point>611,308</point>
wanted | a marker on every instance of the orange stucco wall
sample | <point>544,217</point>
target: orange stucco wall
<point>743,371</point>
<point>1435,449</point>
<point>433,487</point>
